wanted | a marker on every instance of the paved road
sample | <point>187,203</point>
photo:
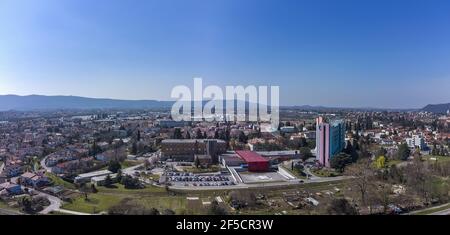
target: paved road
<point>2,166</point>
<point>72,212</point>
<point>48,169</point>
<point>55,203</point>
<point>441,212</point>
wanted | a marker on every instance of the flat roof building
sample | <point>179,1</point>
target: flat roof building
<point>88,176</point>
<point>254,161</point>
<point>185,149</point>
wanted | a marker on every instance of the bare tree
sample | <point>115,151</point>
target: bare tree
<point>379,195</point>
<point>418,177</point>
<point>363,174</point>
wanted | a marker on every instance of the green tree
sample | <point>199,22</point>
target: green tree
<point>26,204</point>
<point>139,135</point>
<point>340,161</point>
<point>381,152</point>
<point>177,134</point>
<point>134,148</point>
<point>130,182</point>
<point>242,138</point>
<point>351,150</point>
<point>188,134</point>
<point>198,134</point>
<point>403,152</point>
<point>114,166</point>
<point>216,134</point>
<point>108,181</point>
<point>119,175</point>
<point>197,162</point>
<point>215,209</point>
<point>94,189</point>
<point>305,153</point>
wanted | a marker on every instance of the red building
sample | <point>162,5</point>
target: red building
<point>254,161</point>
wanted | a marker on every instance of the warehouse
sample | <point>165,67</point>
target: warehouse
<point>255,162</point>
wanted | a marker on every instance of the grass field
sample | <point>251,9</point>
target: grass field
<point>296,172</point>
<point>97,202</point>
<point>4,205</point>
<point>58,181</point>
<point>128,163</point>
<point>149,197</point>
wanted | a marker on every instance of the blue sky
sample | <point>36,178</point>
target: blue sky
<point>333,53</point>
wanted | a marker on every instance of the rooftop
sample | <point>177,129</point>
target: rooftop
<point>250,156</point>
<point>189,140</point>
<point>95,173</point>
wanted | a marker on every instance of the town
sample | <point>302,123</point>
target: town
<point>104,161</point>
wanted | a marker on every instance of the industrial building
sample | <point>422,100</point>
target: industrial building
<point>254,161</point>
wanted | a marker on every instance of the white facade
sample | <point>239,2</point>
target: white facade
<point>416,141</point>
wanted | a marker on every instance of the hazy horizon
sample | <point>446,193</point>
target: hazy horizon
<point>350,53</point>
<point>172,100</point>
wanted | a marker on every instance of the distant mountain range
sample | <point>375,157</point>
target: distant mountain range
<point>437,108</point>
<point>41,102</point>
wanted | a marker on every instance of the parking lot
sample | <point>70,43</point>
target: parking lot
<point>191,179</point>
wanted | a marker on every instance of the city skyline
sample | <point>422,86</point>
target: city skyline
<point>322,53</point>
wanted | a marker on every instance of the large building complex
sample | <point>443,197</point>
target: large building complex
<point>330,139</point>
<point>186,149</point>
<point>172,123</point>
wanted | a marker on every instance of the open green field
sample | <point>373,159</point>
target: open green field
<point>58,181</point>
<point>95,203</point>
<point>128,163</point>
<point>149,197</point>
<point>296,172</point>
<point>4,205</point>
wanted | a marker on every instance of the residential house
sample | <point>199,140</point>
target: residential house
<point>12,189</point>
<point>35,180</point>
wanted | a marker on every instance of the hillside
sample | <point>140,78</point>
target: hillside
<point>40,102</point>
<point>437,108</point>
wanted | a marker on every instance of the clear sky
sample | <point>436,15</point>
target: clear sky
<point>357,53</point>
